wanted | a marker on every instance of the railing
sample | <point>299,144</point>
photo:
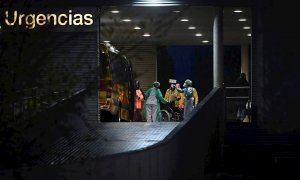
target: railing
<point>238,104</point>
<point>24,103</point>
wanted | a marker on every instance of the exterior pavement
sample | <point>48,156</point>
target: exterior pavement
<point>105,139</point>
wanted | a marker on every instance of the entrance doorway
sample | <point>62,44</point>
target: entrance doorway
<point>176,42</point>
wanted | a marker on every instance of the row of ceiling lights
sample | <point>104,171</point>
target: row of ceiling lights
<point>243,20</point>
<point>186,20</point>
<point>198,34</point>
<point>148,34</point>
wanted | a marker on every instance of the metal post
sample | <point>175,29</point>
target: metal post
<point>218,48</point>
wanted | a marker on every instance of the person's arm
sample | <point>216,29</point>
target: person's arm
<point>179,90</point>
<point>160,97</point>
<point>196,96</point>
<point>147,93</point>
<point>167,95</point>
<point>140,95</point>
<point>178,95</point>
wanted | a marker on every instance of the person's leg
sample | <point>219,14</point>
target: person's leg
<point>188,107</point>
<point>135,117</point>
<point>154,113</point>
<point>149,113</point>
<point>138,115</point>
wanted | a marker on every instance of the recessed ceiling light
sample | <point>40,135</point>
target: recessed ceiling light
<point>137,28</point>
<point>184,20</point>
<point>205,41</point>
<point>106,41</point>
<point>242,19</point>
<point>155,3</point>
<point>114,11</point>
<point>176,11</point>
<point>191,27</point>
<point>146,35</point>
<point>126,20</point>
<point>237,11</point>
<point>246,27</point>
<point>198,34</point>
<point>249,34</point>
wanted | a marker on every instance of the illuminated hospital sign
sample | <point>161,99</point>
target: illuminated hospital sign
<point>32,20</point>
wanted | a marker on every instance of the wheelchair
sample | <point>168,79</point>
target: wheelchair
<point>169,112</point>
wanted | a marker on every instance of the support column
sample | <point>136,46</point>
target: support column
<point>218,48</point>
<point>245,60</point>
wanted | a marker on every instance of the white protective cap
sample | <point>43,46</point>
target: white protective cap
<point>172,81</point>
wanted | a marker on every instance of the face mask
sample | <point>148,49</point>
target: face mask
<point>172,86</point>
<point>184,85</point>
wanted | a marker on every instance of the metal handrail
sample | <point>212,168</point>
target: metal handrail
<point>238,97</point>
<point>32,100</point>
<point>233,97</point>
<point>238,87</point>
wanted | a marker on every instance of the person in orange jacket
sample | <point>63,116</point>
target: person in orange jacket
<point>139,97</point>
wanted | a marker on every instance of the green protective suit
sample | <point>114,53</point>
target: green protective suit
<point>159,98</point>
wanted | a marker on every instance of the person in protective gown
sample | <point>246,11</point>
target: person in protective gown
<point>151,107</point>
<point>188,92</point>
<point>139,98</point>
<point>172,95</point>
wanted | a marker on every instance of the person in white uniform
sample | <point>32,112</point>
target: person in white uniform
<point>151,108</point>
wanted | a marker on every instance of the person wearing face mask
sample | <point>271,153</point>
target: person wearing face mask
<point>172,95</point>
<point>188,92</point>
<point>139,97</point>
<point>151,108</point>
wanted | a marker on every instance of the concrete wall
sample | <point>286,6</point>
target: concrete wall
<point>275,65</point>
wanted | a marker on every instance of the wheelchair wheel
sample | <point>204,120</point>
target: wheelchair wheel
<point>165,115</point>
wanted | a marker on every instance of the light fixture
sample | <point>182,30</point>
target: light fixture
<point>155,3</point>
<point>191,27</point>
<point>198,34</point>
<point>137,28</point>
<point>115,11</point>
<point>146,35</point>
<point>249,34</point>
<point>246,27</point>
<point>184,20</point>
<point>205,41</point>
<point>176,11</point>
<point>126,20</point>
<point>237,11</point>
<point>242,19</point>
<point>112,49</point>
<point>106,41</point>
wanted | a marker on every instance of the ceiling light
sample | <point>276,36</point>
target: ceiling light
<point>205,41</point>
<point>176,11</point>
<point>112,49</point>
<point>246,27</point>
<point>106,41</point>
<point>155,3</point>
<point>249,34</point>
<point>126,20</point>
<point>237,11</point>
<point>115,11</point>
<point>146,35</point>
<point>192,27</point>
<point>137,28</point>
<point>198,34</point>
<point>242,19</point>
<point>184,20</point>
